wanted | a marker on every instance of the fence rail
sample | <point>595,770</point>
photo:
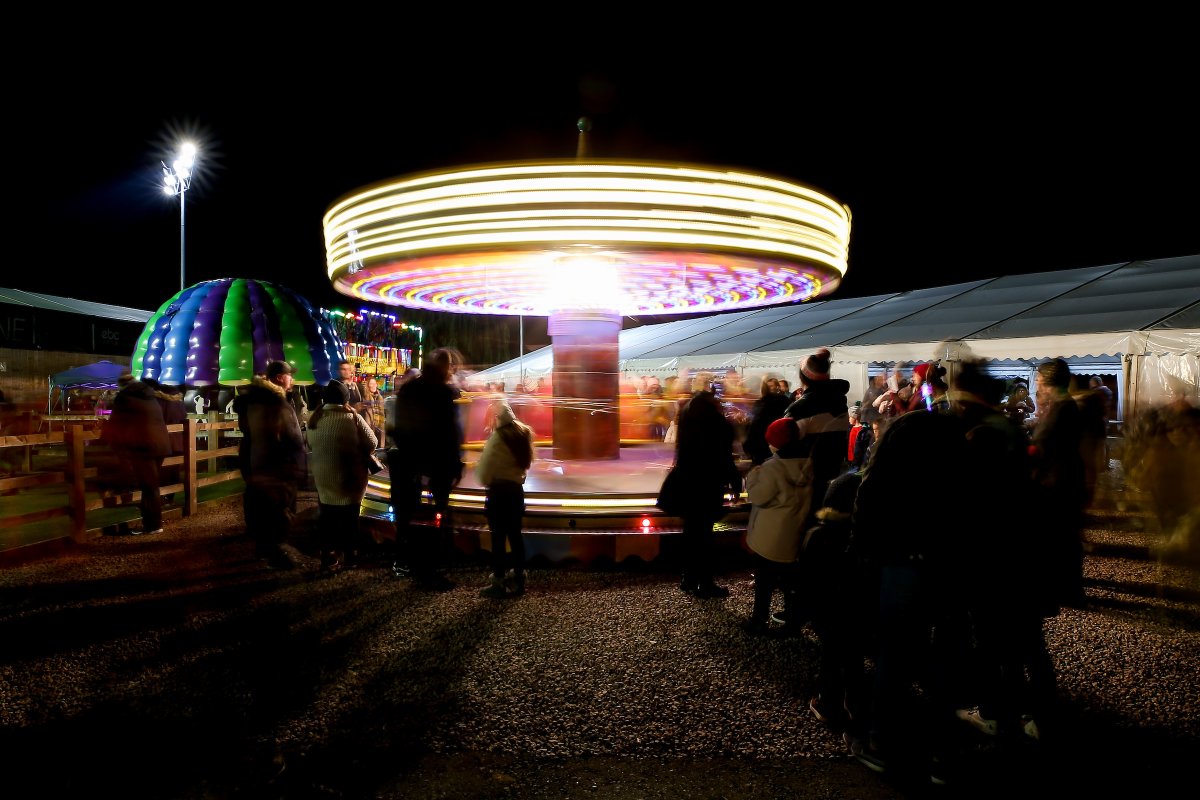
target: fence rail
<point>76,474</point>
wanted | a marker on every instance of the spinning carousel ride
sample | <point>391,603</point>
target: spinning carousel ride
<point>584,243</point>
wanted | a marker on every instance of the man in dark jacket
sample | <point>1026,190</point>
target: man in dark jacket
<point>138,436</point>
<point>824,422</point>
<point>273,460</point>
<point>427,439</point>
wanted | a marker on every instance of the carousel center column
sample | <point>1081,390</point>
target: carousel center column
<point>587,421</point>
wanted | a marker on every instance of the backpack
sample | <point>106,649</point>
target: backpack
<point>516,436</point>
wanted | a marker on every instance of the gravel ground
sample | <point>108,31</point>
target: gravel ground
<point>176,666</point>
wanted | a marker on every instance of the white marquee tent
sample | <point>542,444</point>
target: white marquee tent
<point>1138,320</point>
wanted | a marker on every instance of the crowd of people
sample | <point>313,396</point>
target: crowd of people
<point>875,521</point>
<point>878,521</point>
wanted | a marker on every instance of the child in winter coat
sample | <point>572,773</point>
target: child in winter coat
<point>502,467</point>
<point>780,493</point>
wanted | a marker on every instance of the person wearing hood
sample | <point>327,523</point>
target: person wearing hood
<point>502,467</point>
<point>273,459</point>
<point>341,442</point>
<point>780,493</point>
<point>138,436</point>
<point>170,400</point>
<point>824,423</point>
<point>704,461</point>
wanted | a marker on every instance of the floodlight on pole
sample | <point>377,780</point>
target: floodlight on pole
<point>177,179</point>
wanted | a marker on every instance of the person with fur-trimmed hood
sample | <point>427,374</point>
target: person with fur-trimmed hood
<point>170,400</point>
<point>273,459</point>
<point>822,415</point>
<point>502,467</point>
<point>137,434</point>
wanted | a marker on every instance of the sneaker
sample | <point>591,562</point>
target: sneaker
<point>973,717</point>
<point>780,617</point>
<point>709,591</point>
<point>143,532</point>
<point>514,583</point>
<point>867,755</point>
<point>814,705</point>
<point>401,570</point>
<point>688,588</point>
<point>1030,727</point>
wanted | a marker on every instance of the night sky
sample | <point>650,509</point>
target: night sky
<point>959,158</point>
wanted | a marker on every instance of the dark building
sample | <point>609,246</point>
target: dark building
<point>41,335</point>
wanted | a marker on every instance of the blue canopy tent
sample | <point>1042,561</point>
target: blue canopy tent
<point>101,375</point>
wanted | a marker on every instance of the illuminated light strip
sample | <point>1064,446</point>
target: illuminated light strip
<point>570,237</point>
<point>532,223</point>
<point>547,502</point>
<point>418,240</point>
<point>470,181</point>
<point>645,286</point>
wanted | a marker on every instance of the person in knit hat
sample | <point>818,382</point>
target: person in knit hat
<point>780,493</point>
<point>823,420</point>
<point>928,389</point>
<point>502,467</point>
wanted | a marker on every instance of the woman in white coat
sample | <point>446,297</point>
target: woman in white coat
<point>341,441</point>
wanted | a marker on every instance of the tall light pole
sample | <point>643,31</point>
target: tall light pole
<point>177,178</point>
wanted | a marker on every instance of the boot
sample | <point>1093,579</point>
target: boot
<point>495,590</point>
<point>514,582</point>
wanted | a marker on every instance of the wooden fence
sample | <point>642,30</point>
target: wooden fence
<point>76,474</point>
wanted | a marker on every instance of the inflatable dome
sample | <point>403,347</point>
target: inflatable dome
<point>223,333</point>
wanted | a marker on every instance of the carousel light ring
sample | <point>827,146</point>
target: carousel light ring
<point>224,332</point>
<point>535,239</point>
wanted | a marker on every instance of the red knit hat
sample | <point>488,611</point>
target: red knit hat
<point>922,370</point>
<point>816,366</point>
<point>782,432</point>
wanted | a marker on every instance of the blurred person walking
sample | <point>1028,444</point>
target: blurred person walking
<point>913,570</point>
<point>704,457</point>
<point>502,467</point>
<point>427,438</point>
<point>1060,478</point>
<point>273,460</point>
<point>138,437</point>
<point>771,404</point>
<point>877,388</point>
<point>341,443</point>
